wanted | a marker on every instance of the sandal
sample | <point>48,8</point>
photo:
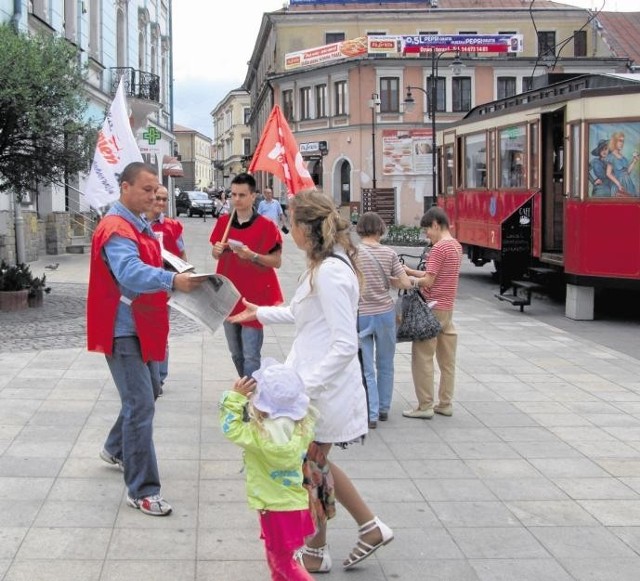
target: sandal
<point>362,550</point>
<point>319,553</point>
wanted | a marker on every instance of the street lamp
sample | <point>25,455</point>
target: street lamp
<point>374,103</point>
<point>456,67</point>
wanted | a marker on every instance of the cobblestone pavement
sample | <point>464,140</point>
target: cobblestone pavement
<point>60,323</point>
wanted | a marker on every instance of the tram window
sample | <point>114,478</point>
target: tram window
<point>491,175</point>
<point>475,154</point>
<point>534,181</point>
<point>513,157</point>
<point>458,164</point>
<point>575,171</point>
<point>448,169</point>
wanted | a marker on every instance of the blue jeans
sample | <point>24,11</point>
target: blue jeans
<point>377,335</point>
<point>163,367</point>
<point>131,437</point>
<point>245,344</point>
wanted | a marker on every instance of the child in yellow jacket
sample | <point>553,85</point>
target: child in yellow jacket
<point>270,418</point>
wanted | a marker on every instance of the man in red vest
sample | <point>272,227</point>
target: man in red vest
<point>169,233</point>
<point>248,257</point>
<point>170,230</point>
<point>128,321</point>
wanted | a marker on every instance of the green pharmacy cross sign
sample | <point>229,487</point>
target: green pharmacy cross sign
<point>152,135</point>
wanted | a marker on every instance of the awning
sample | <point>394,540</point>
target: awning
<point>171,167</point>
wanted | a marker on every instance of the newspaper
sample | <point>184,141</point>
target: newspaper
<point>175,262</point>
<point>210,303</point>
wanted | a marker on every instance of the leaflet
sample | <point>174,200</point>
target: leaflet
<point>175,262</point>
<point>209,304</point>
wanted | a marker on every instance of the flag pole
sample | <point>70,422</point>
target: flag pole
<point>226,230</point>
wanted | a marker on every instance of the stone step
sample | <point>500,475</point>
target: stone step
<point>78,245</point>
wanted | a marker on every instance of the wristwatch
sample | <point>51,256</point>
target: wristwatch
<point>255,257</point>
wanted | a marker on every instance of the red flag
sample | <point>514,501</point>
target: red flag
<point>278,153</point>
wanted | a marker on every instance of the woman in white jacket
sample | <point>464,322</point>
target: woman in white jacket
<point>325,354</point>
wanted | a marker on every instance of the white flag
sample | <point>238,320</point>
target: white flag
<point>116,148</point>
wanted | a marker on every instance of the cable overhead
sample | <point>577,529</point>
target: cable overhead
<point>559,45</point>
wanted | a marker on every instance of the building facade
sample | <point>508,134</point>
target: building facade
<point>348,111</point>
<point>232,136</point>
<point>194,152</point>
<point>123,39</point>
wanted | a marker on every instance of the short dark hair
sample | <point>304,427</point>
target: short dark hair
<point>437,215</point>
<point>245,178</point>
<point>370,224</point>
<point>131,172</point>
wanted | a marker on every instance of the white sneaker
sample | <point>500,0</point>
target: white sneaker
<point>111,459</point>
<point>154,505</point>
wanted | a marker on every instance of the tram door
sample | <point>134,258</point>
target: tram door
<point>552,159</point>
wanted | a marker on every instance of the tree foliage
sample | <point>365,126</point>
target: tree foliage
<point>43,133</point>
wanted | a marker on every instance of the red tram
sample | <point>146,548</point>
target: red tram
<point>550,180</point>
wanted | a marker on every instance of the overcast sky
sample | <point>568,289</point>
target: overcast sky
<point>212,44</point>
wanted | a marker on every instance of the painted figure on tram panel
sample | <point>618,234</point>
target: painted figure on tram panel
<point>601,185</point>
<point>619,169</point>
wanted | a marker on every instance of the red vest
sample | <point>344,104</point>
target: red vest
<point>171,232</point>
<point>150,313</point>
<point>256,283</point>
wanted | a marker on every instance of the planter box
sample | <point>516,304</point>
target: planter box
<point>14,300</point>
<point>35,298</point>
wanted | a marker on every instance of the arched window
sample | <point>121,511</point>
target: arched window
<point>315,169</point>
<point>345,183</point>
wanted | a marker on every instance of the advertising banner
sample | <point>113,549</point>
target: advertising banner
<point>463,43</point>
<point>325,53</point>
<point>407,152</point>
<point>400,45</point>
<point>386,44</point>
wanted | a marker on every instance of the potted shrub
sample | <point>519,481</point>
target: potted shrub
<point>37,290</point>
<point>18,285</point>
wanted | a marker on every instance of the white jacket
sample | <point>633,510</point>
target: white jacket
<point>325,349</point>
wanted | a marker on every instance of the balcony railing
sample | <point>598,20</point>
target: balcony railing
<point>139,84</point>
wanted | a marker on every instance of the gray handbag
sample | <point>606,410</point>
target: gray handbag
<point>416,319</point>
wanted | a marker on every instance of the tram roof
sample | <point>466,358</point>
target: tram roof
<point>570,86</point>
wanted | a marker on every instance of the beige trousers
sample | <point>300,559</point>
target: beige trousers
<point>443,346</point>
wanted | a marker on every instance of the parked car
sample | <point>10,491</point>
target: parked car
<point>194,203</point>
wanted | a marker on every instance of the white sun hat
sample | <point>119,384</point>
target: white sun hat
<point>280,391</point>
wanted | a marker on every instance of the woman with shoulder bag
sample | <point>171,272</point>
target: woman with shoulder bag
<point>381,269</point>
<point>438,284</point>
<point>325,354</point>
